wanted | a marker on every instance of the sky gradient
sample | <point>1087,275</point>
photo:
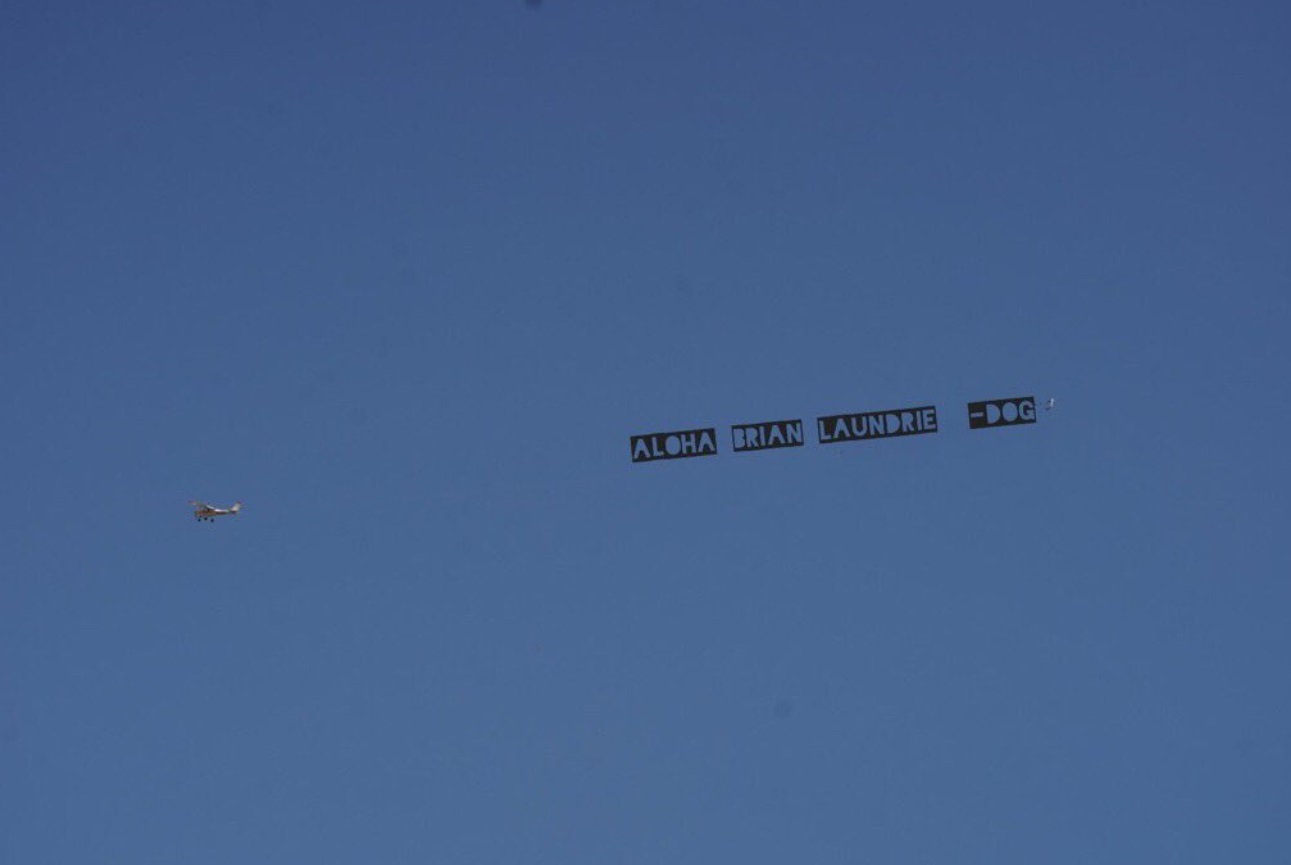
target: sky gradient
<point>404,278</point>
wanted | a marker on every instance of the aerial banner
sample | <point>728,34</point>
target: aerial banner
<point>830,429</point>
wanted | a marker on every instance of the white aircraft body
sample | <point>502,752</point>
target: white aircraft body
<point>203,511</point>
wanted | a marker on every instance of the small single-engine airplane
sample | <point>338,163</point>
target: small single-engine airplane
<point>203,511</point>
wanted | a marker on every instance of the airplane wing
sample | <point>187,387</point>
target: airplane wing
<point>202,505</point>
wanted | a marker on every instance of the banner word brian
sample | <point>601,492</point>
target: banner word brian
<point>765,436</point>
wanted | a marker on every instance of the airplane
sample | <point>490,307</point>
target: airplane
<point>203,511</point>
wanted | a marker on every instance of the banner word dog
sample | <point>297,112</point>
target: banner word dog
<point>1001,412</point>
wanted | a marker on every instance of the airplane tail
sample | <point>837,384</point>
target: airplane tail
<point>237,506</point>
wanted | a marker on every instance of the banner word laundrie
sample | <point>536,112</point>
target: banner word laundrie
<point>830,429</point>
<point>877,424</point>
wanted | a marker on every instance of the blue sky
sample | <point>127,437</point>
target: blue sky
<point>405,278</point>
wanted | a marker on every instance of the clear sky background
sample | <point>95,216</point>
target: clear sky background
<point>404,277</point>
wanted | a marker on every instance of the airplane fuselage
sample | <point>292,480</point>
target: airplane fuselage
<point>207,513</point>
